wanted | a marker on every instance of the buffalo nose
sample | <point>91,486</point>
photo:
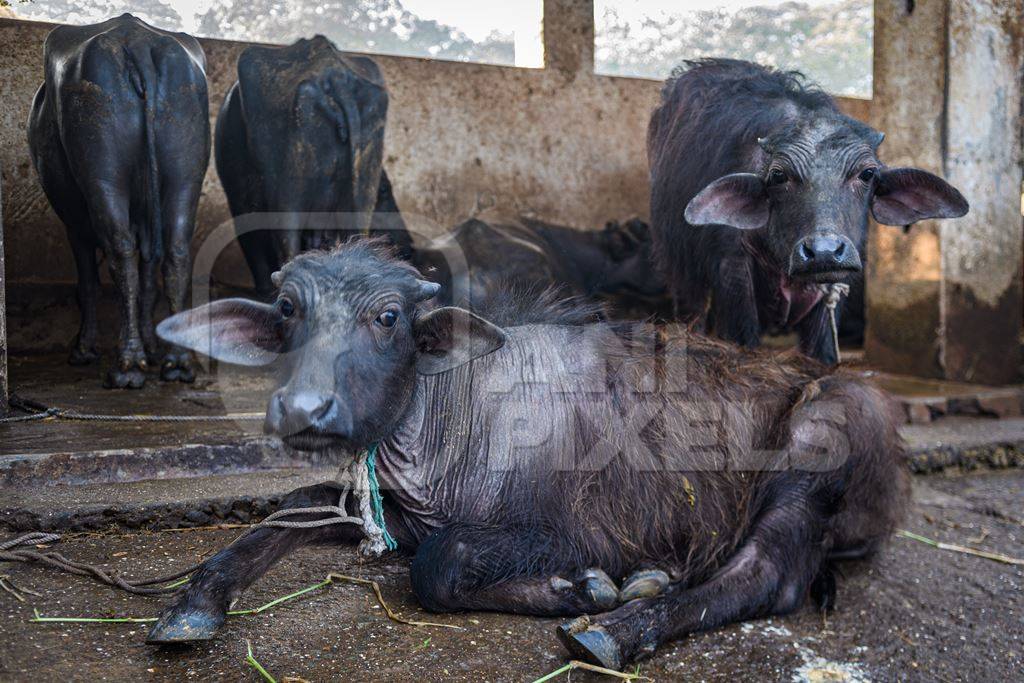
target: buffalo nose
<point>291,412</point>
<point>823,252</point>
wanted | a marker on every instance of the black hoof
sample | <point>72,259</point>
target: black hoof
<point>178,365</point>
<point>591,644</point>
<point>133,378</point>
<point>171,372</point>
<point>184,627</point>
<point>644,584</point>
<point>599,589</point>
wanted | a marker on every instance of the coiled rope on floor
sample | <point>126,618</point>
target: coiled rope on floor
<point>17,550</point>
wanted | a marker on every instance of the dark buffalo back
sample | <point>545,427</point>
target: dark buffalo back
<point>301,136</point>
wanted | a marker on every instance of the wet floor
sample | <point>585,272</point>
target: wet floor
<point>50,381</point>
<point>916,613</point>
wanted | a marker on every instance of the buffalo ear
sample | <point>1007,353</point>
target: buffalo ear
<point>907,195</point>
<point>235,331</point>
<point>738,200</point>
<point>449,337</point>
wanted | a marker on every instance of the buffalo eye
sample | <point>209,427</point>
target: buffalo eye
<point>388,318</point>
<point>285,307</point>
<point>776,176</point>
<point>868,174</point>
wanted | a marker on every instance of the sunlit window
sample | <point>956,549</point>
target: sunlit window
<point>462,30</point>
<point>829,40</point>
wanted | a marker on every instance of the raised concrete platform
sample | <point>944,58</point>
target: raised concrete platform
<point>48,452</point>
<point>965,443</point>
<point>68,452</point>
<point>59,475</point>
<point>48,380</point>
<point>153,504</point>
<point>925,400</point>
<point>203,490</point>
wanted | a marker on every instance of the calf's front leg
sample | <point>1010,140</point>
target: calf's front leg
<point>219,581</point>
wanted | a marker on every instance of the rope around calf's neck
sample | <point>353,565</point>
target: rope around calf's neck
<point>358,478</point>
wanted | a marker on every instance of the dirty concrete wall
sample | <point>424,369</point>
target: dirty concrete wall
<point>981,253</point>
<point>905,270</point>
<point>944,300</point>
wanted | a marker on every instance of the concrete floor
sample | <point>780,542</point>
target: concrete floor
<point>915,613</point>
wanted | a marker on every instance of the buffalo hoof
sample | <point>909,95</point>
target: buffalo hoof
<point>130,370</point>
<point>591,644</point>
<point>643,584</point>
<point>178,367</point>
<point>83,356</point>
<point>599,589</point>
<point>132,378</point>
<point>185,626</point>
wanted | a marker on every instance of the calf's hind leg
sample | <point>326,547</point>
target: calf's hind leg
<point>837,491</point>
<point>770,573</point>
<point>220,580</point>
<point>507,568</point>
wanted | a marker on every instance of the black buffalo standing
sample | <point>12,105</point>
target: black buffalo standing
<point>755,149</point>
<point>301,135</point>
<point>526,456</point>
<point>120,137</point>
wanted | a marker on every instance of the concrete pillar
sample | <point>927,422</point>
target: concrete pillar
<point>945,299</point>
<point>3,316</point>
<point>569,36</point>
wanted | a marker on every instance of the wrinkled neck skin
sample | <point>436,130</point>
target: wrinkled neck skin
<point>494,423</point>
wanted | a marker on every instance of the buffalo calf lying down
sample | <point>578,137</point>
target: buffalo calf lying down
<point>120,136</point>
<point>531,459</point>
